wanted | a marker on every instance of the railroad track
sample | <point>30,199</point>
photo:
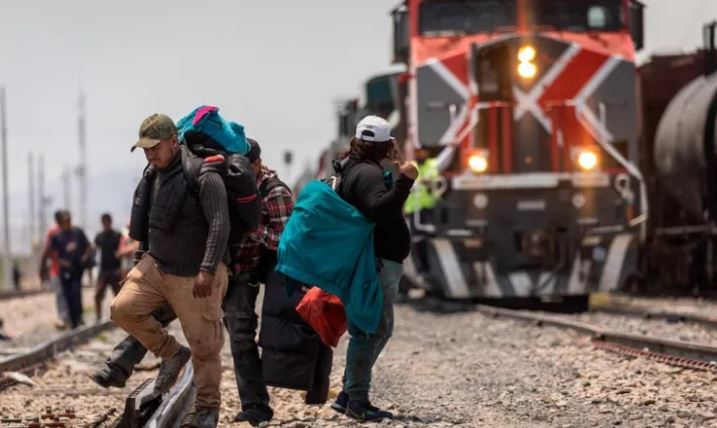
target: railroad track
<point>659,314</point>
<point>145,408</point>
<point>142,407</point>
<point>674,352</point>
<point>7,295</point>
<point>28,361</point>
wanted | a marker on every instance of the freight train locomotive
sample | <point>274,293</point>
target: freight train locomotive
<point>531,106</point>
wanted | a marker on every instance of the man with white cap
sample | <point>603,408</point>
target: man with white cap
<point>368,184</point>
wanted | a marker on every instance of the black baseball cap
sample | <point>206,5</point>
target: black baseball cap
<point>254,150</point>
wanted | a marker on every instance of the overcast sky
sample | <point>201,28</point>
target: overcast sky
<point>276,66</point>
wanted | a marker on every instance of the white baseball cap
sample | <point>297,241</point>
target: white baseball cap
<point>373,128</point>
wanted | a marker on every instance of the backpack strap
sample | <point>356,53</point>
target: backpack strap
<point>340,168</point>
<point>269,184</point>
<point>194,166</point>
<point>190,167</point>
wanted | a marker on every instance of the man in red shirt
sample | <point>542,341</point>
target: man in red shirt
<point>51,274</point>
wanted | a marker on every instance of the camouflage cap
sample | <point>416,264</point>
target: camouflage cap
<point>153,129</point>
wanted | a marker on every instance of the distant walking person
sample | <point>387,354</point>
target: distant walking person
<point>108,242</point>
<point>73,250</point>
<point>51,274</point>
<point>16,275</point>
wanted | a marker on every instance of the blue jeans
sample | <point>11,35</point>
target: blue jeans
<point>72,289</point>
<point>60,300</point>
<point>364,348</point>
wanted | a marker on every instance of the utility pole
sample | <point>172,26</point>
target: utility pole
<point>82,170</point>
<point>5,202</point>
<point>42,199</point>
<point>31,196</point>
<point>67,188</point>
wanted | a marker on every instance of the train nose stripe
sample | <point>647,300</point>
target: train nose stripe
<point>484,273</point>
<point>456,282</point>
<point>614,263</point>
<point>576,283</point>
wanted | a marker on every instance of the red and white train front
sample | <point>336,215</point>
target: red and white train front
<point>531,108</point>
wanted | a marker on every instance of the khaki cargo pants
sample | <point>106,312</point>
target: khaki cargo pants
<point>146,289</point>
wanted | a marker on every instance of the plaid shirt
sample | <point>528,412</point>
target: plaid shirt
<point>275,211</point>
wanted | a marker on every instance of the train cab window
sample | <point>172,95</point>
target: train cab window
<point>597,17</point>
<point>579,16</point>
<point>466,16</point>
<point>456,17</point>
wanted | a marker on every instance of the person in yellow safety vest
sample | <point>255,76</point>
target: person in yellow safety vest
<point>419,208</point>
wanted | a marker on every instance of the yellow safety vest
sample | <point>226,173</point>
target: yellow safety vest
<point>423,195</point>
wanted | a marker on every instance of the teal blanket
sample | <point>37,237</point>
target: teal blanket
<point>206,119</point>
<point>329,244</point>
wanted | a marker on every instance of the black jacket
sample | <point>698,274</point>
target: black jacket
<point>364,186</point>
<point>184,234</point>
<point>293,355</point>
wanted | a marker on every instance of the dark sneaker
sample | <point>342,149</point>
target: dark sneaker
<point>363,411</point>
<point>201,417</point>
<point>106,377</point>
<point>255,415</point>
<point>342,400</point>
<point>170,368</point>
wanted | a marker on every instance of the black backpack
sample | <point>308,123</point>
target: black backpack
<point>269,184</point>
<point>200,154</point>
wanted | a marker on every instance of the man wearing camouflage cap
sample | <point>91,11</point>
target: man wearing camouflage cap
<point>185,236</point>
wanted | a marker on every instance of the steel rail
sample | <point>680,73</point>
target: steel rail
<point>52,347</point>
<point>706,321</point>
<point>176,404</point>
<point>7,295</point>
<point>675,352</point>
<point>146,408</point>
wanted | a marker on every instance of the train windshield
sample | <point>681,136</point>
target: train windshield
<point>580,16</point>
<point>441,17</point>
<point>466,16</point>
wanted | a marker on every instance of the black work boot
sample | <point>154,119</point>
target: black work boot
<point>170,368</point>
<point>363,411</point>
<point>201,417</point>
<point>255,414</point>
<point>108,376</point>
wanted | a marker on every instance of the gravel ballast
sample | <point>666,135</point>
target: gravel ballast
<point>441,370</point>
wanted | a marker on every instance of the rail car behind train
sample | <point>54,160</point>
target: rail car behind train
<point>681,91</point>
<point>531,106</point>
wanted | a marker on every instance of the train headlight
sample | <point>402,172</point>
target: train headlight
<point>527,70</point>
<point>478,162</point>
<point>526,54</point>
<point>526,67</point>
<point>587,160</point>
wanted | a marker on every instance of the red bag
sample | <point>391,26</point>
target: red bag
<point>325,313</point>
